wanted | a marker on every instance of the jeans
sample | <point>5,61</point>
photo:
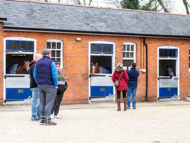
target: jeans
<point>132,90</point>
<point>35,104</point>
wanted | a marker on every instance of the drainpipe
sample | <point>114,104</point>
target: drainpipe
<point>144,41</point>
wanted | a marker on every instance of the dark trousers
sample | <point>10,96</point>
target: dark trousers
<point>47,96</point>
<point>119,93</point>
<point>57,103</point>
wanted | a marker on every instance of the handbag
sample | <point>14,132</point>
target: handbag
<point>116,83</point>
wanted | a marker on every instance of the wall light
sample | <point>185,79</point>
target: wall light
<point>78,39</point>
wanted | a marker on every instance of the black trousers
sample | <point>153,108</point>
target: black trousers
<point>119,93</point>
<point>57,103</point>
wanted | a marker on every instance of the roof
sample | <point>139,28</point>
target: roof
<point>70,18</point>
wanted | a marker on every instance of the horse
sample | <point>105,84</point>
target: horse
<point>95,68</point>
<point>23,68</point>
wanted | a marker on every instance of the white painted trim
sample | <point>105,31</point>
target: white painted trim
<point>4,57</point>
<point>57,40</point>
<point>89,58</point>
<point>177,67</point>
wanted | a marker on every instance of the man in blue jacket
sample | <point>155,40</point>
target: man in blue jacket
<point>132,85</point>
<point>45,75</point>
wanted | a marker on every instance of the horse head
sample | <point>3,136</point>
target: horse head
<point>95,68</point>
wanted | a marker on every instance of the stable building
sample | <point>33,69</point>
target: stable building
<point>80,35</point>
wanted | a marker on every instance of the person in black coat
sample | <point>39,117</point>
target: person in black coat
<point>35,90</point>
<point>132,85</point>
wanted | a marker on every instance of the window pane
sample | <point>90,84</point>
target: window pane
<point>189,58</point>
<point>58,54</point>
<point>99,48</point>
<point>58,59</point>
<point>48,45</point>
<point>53,45</point>
<point>131,55</point>
<point>128,47</point>
<point>161,52</point>
<point>110,48</point>
<point>189,65</point>
<point>52,53</point>
<point>53,59</point>
<point>127,55</point>
<point>124,47</point>
<point>189,52</point>
<point>93,47</point>
<point>124,55</point>
<point>104,48</point>
<point>9,45</point>
<point>165,53</point>
<point>16,45</point>
<point>30,46</point>
<point>58,45</point>
<point>132,47</point>
<point>23,45</point>
<point>175,53</point>
<point>170,53</point>
<point>127,63</point>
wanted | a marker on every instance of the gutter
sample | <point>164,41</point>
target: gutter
<point>144,41</point>
<point>7,28</point>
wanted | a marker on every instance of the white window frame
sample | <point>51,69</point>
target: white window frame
<point>61,50</point>
<point>134,52</point>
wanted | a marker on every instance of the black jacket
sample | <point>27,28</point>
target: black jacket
<point>32,80</point>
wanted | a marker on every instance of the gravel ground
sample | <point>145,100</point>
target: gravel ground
<point>157,122</point>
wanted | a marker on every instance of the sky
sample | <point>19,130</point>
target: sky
<point>177,7</point>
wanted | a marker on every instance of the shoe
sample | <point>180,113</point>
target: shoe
<point>50,123</point>
<point>42,122</point>
<point>57,117</point>
<point>119,109</point>
<point>128,107</point>
<point>35,119</point>
<point>52,117</point>
<point>134,108</point>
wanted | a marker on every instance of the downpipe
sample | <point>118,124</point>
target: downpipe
<point>144,42</point>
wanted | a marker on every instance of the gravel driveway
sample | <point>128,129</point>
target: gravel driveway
<point>156,122</point>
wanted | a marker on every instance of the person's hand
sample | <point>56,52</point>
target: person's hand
<point>56,87</point>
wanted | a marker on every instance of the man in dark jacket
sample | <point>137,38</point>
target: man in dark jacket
<point>132,85</point>
<point>45,75</point>
<point>35,90</point>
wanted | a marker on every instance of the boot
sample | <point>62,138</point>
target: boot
<point>118,105</point>
<point>125,103</point>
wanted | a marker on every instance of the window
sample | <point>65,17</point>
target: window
<point>168,53</point>
<point>56,50</point>
<point>101,48</point>
<point>17,45</point>
<point>129,54</point>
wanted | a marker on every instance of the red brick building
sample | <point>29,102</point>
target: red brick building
<point>78,35</point>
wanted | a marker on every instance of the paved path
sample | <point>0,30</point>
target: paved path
<point>155,122</point>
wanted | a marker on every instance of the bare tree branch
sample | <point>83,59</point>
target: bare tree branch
<point>163,6</point>
<point>186,4</point>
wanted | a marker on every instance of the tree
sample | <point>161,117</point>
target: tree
<point>187,6</point>
<point>82,2</point>
<point>130,4</point>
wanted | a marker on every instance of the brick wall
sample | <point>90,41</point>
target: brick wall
<point>75,61</point>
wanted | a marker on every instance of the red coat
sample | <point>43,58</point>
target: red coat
<point>123,80</point>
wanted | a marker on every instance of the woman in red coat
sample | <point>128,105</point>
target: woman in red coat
<point>119,71</point>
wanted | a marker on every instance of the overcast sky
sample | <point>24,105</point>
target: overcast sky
<point>177,6</point>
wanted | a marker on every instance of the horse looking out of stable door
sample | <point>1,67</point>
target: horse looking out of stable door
<point>95,68</point>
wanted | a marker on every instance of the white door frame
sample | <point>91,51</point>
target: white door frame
<point>177,67</point>
<point>89,59</point>
<point>20,52</point>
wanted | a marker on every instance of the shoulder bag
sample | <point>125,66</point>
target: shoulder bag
<point>116,83</point>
